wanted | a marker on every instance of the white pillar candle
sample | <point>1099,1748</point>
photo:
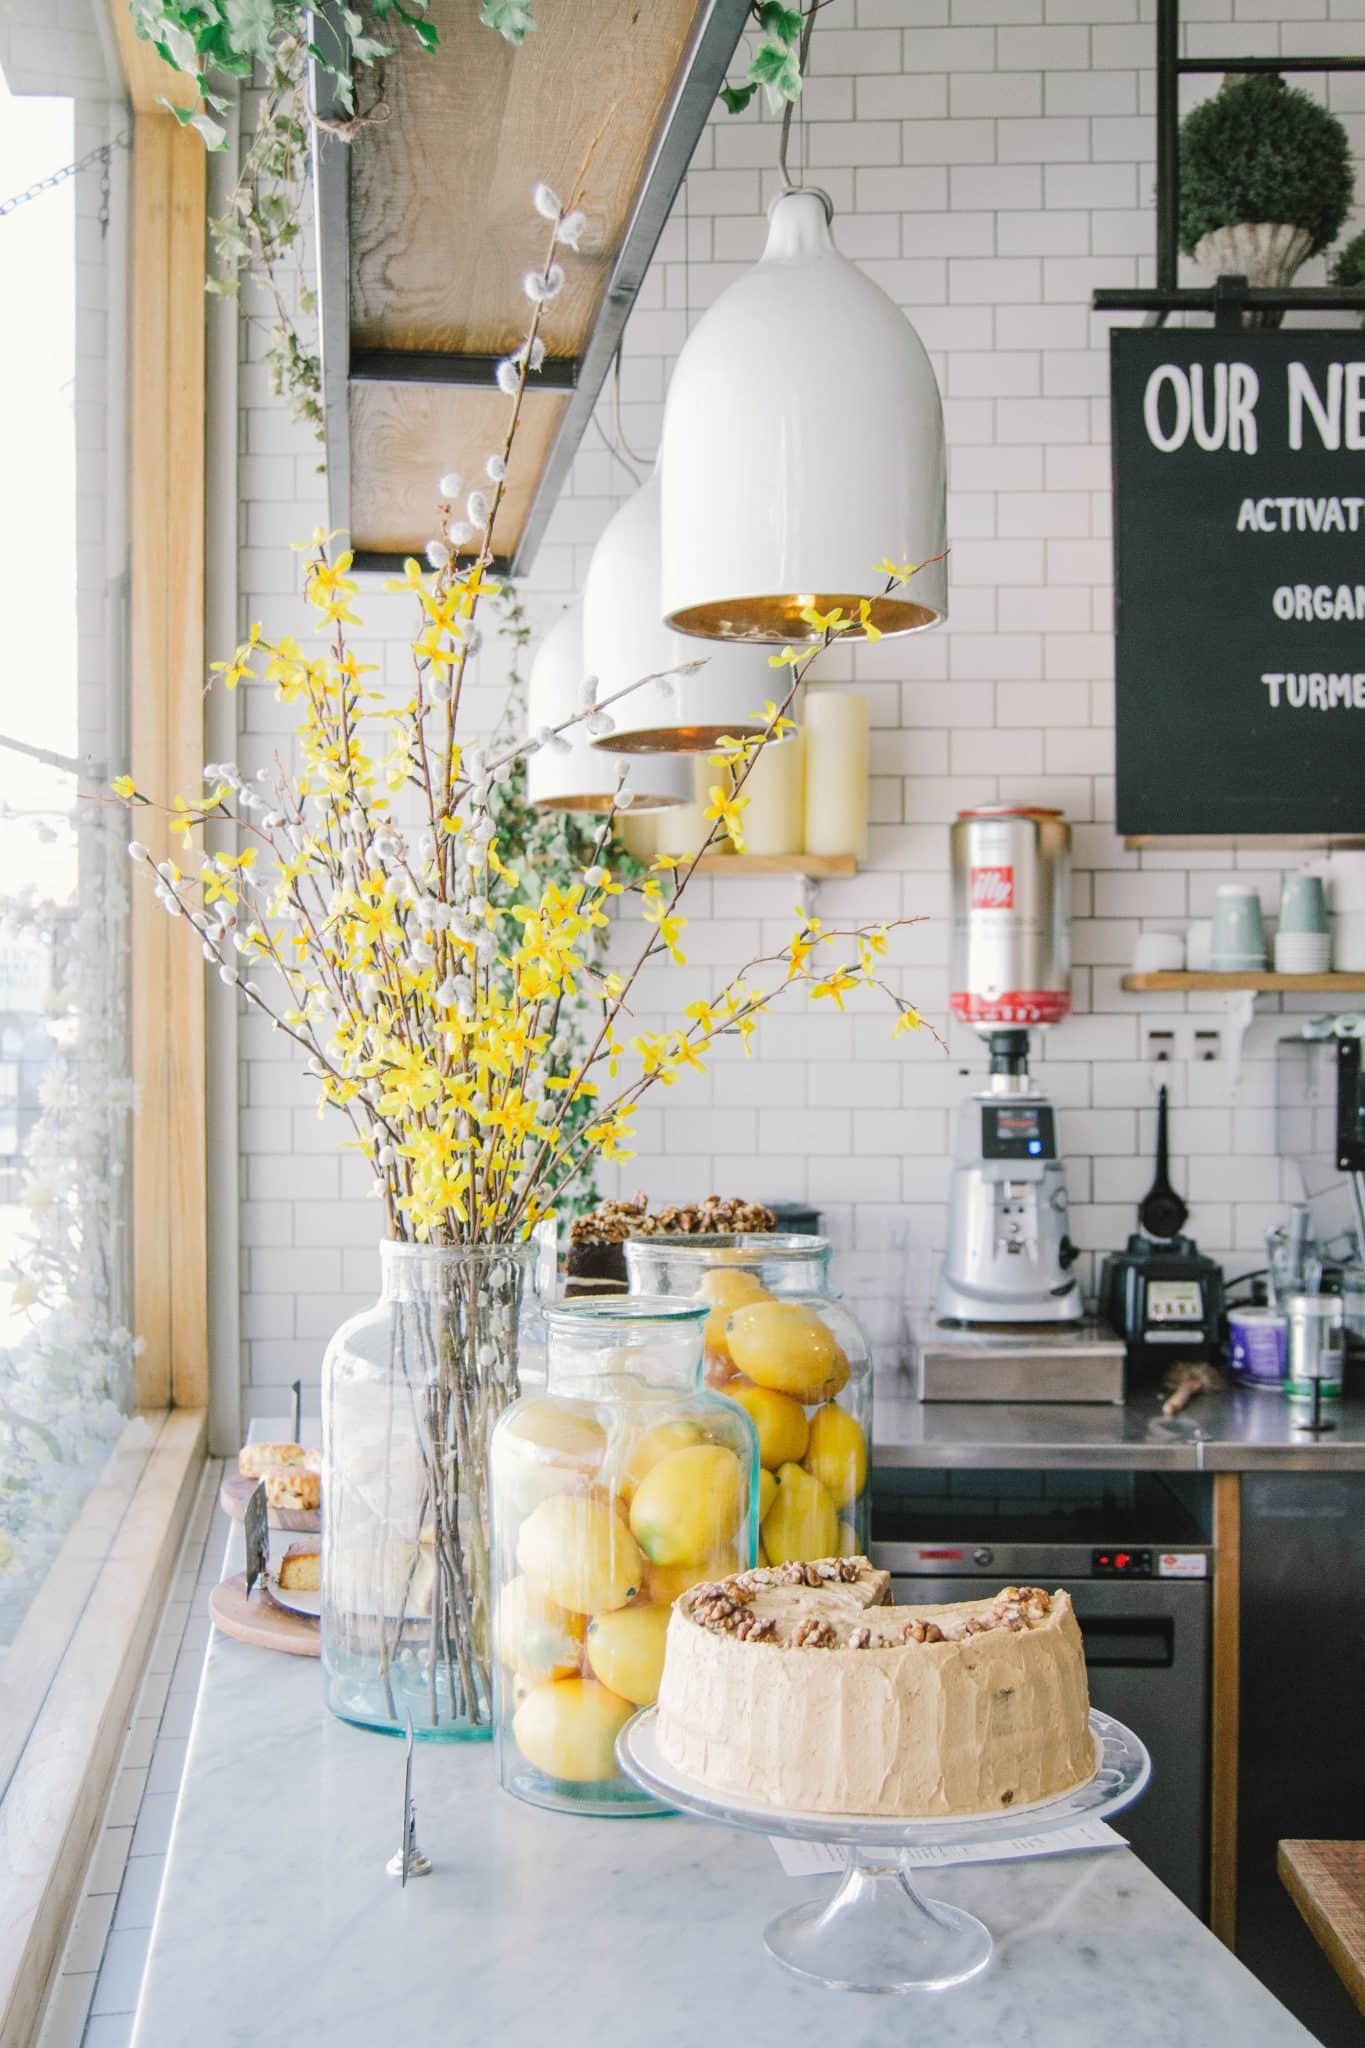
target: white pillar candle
<point>682,829</point>
<point>772,816</point>
<point>834,729</point>
<point>638,832</point>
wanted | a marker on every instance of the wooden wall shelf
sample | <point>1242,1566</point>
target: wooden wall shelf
<point>1260,984</point>
<point>816,867</point>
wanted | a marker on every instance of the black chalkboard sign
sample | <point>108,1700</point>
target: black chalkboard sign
<point>1239,546</point>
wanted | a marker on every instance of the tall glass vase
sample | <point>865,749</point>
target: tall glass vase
<point>411,1390</point>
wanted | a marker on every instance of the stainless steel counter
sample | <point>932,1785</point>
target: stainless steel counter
<point>1234,1432</point>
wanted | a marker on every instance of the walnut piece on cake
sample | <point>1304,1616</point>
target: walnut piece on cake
<point>825,1603</point>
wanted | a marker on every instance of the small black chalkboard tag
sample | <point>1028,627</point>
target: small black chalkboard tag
<point>256,1524</point>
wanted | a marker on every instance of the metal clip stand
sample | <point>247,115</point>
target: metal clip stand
<point>1316,1426</point>
<point>408,1861</point>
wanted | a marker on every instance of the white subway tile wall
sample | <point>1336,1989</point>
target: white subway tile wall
<point>991,162</point>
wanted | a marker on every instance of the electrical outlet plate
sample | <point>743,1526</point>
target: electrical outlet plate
<point>1182,1038</point>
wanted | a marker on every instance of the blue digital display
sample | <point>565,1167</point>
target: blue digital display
<point>1035,1146</point>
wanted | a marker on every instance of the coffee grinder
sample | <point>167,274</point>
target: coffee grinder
<point>1009,1258</point>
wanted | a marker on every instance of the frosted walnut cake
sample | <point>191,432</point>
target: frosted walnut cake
<point>798,1685</point>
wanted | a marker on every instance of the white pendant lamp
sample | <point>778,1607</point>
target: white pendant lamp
<point>580,777</point>
<point>624,639</point>
<point>802,444</point>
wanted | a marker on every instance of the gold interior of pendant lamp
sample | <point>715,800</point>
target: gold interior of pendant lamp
<point>680,739</point>
<point>779,618</point>
<point>600,805</point>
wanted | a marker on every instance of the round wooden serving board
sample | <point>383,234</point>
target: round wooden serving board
<point>235,1492</point>
<point>261,1621</point>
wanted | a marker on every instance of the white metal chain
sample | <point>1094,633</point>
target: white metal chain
<point>100,156</point>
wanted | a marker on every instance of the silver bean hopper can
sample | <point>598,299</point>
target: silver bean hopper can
<point>1009,1258</point>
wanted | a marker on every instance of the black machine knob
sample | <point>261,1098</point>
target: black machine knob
<point>983,1556</point>
<point>1067,1252</point>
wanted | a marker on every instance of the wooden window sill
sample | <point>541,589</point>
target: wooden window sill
<point>67,1686</point>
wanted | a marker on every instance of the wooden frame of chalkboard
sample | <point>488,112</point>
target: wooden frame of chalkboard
<point>1239,576</point>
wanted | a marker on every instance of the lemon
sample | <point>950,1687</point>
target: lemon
<point>626,1651</point>
<point>688,1506</point>
<point>767,1492</point>
<point>726,1287</point>
<point>801,1523</point>
<point>576,1551</point>
<point>786,1346</point>
<point>568,1729</point>
<point>656,1443</point>
<point>837,1454</point>
<point>545,1447</point>
<point>665,1582</point>
<point>781,1424</point>
<point>849,1546</point>
<point>536,1639</point>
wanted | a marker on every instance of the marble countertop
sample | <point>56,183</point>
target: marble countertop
<point>1236,1431</point>
<point>277,1922</point>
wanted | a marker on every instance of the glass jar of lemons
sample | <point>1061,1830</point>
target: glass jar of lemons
<point>782,1345</point>
<point>620,1486</point>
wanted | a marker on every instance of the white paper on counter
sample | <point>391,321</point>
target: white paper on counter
<point>820,1859</point>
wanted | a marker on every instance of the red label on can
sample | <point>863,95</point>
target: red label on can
<point>1012,1006</point>
<point>991,889</point>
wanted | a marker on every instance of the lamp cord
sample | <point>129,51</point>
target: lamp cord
<point>807,30</point>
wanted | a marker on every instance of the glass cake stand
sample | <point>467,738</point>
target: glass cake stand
<point>877,1933</point>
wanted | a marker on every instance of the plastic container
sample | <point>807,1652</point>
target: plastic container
<point>621,1485</point>
<point>1258,1348</point>
<point>783,1346</point>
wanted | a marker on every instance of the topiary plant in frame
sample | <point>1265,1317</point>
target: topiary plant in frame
<point>1348,265</point>
<point>1266,178</point>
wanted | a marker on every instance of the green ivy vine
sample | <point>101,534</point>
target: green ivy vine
<point>775,67</point>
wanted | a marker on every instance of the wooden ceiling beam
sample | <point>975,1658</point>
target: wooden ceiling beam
<point>425,230</point>
<point>432,366</point>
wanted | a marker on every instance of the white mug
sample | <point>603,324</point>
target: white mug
<point>1198,945</point>
<point>1158,953</point>
<point>1348,942</point>
<point>1343,870</point>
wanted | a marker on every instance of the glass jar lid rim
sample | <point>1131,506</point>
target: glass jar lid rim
<point>626,1308</point>
<point>481,1248</point>
<point>764,1243</point>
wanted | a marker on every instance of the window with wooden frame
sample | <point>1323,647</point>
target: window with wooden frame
<point>102,1151</point>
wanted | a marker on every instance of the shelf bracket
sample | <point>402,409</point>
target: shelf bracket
<point>1239,1007</point>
